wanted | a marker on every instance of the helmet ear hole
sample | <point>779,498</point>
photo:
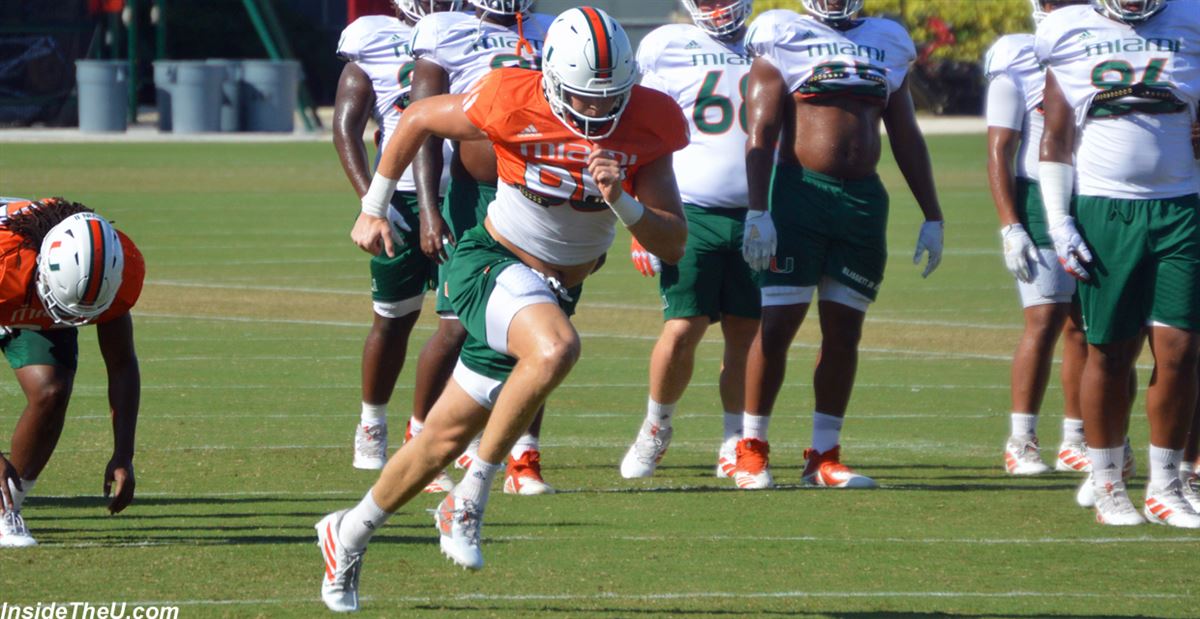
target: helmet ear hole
<point>80,265</point>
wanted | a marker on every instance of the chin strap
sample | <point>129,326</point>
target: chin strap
<point>522,42</point>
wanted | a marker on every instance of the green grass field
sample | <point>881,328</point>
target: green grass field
<point>249,334</point>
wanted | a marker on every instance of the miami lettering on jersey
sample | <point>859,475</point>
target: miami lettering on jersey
<point>708,79</point>
<point>547,202</point>
<point>467,48</point>
<point>868,60</point>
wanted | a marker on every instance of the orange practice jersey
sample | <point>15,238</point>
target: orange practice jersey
<point>545,163</point>
<point>20,306</point>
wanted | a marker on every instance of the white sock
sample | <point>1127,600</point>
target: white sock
<point>524,444</point>
<point>1072,430</point>
<point>360,523</point>
<point>658,414</point>
<point>827,431</point>
<point>1164,465</point>
<point>1024,425</point>
<point>755,426</point>
<point>374,414</point>
<point>477,483</point>
<point>415,427</point>
<point>1106,464</point>
<point>733,425</point>
<point>18,496</point>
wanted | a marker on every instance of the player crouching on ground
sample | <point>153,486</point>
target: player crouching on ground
<point>62,267</point>
<point>575,144</point>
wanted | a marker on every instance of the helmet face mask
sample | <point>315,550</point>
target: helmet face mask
<point>79,269</point>
<point>723,21</point>
<point>503,7</point>
<point>416,9</point>
<point>821,8</point>
<point>1129,11</point>
<point>1040,10</point>
<point>587,55</point>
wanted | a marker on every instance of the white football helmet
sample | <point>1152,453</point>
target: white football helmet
<point>503,7</point>
<point>587,53</point>
<point>416,9</point>
<point>79,269</point>
<point>821,9</point>
<point>1129,11</point>
<point>720,22</point>
<point>1039,13</point>
<point>1039,7</point>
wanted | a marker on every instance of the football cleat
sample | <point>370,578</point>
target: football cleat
<point>827,471</point>
<point>459,522</point>
<point>1191,490</point>
<point>1086,495</point>
<point>753,468</point>
<point>1168,505</point>
<point>13,532</point>
<point>467,457</point>
<point>524,475</point>
<point>727,457</point>
<point>1113,506</point>
<point>1022,457</point>
<point>370,446</point>
<point>441,483</point>
<point>1073,457</point>
<point>646,451</point>
<point>339,586</point>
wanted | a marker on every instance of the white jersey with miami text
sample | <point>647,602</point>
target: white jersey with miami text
<point>868,60</point>
<point>707,78</point>
<point>1134,91</point>
<point>1012,58</point>
<point>467,47</point>
<point>379,45</point>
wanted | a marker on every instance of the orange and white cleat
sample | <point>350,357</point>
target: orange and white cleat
<point>646,452</point>
<point>1073,457</point>
<point>339,585</point>
<point>825,470</point>
<point>1022,456</point>
<point>459,523</point>
<point>727,457</point>
<point>1113,506</point>
<point>370,446</point>
<point>524,475</point>
<point>1167,505</point>
<point>752,470</point>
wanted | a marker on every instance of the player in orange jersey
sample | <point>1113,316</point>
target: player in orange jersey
<point>579,148</point>
<point>62,267</point>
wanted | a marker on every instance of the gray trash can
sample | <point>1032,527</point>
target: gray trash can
<point>196,97</point>
<point>269,94</point>
<point>165,73</point>
<point>231,93</point>
<point>103,94</point>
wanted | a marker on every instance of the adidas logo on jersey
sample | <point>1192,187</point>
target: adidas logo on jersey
<point>692,45</point>
<point>807,35</point>
<point>530,132</point>
<point>1085,35</point>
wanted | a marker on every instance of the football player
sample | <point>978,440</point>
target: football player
<point>63,267</point>
<point>1122,85</point>
<point>375,83</point>
<point>704,68</point>
<point>580,148</point>
<point>1015,81</point>
<point>826,79</point>
<point>453,51</point>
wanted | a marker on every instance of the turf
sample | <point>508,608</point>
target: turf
<point>249,334</point>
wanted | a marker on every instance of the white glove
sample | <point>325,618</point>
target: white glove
<point>1072,252</point>
<point>929,240</point>
<point>1020,254</point>
<point>398,226</point>
<point>758,240</point>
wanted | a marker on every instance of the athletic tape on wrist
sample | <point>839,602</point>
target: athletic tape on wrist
<point>1058,183</point>
<point>628,210</point>
<point>379,195</point>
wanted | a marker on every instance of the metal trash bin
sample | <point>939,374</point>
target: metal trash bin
<point>231,93</point>
<point>164,82</point>
<point>269,94</point>
<point>103,94</point>
<point>196,97</point>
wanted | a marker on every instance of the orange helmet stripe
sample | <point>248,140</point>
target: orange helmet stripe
<point>97,243</point>
<point>602,41</point>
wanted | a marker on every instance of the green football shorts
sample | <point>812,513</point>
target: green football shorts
<point>57,347</point>
<point>408,274</point>
<point>712,279</point>
<point>464,207</point>
<point>828,227</point>
<point>1031,213</point>
<point>1146,265</point>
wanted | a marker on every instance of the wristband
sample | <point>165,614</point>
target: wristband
<point>628,210</point>
<point>379,195</point>
<point>1058,183</point>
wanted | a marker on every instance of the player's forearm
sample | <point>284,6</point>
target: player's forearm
<point>124,399</point>
<point>1002,146</point>
<point>353,159</point>
<point>662,233</point>
<point>351,112</point>
<point>912,156</point>
<point>1058,135</point>
<point>760,163</point>
<point>427,171</point>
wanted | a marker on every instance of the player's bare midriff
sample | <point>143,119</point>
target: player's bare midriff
<point>567,275</point>
<point>837,137</point>
<point>477,160</point>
